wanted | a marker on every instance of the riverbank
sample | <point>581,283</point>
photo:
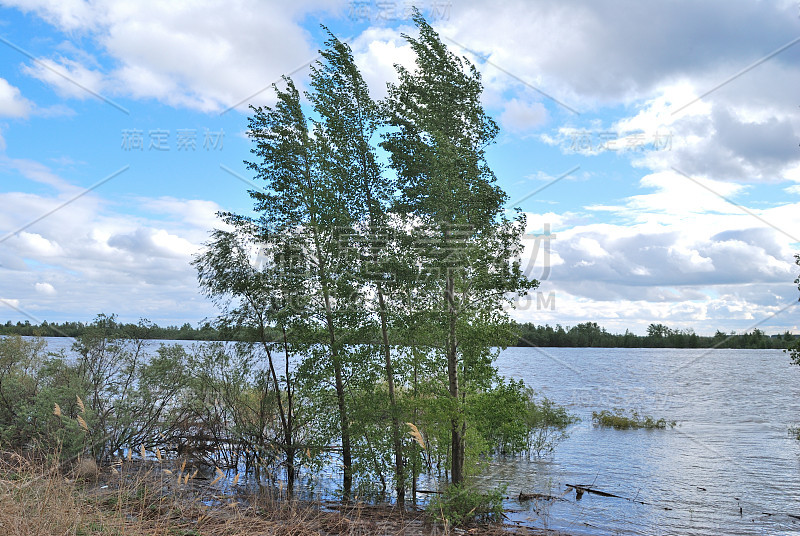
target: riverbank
<point>139,500</point>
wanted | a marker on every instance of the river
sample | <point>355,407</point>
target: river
<point>729,450</point>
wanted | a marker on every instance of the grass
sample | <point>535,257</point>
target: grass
<point>38,500</point>
<point>138,499</point>
<point>794,431</point>
<point>620,421</point>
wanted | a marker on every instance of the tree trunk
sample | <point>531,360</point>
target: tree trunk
<point>347,462</point>
<point>456,428</point>
<point>290,471</point>
<point>399,472</point>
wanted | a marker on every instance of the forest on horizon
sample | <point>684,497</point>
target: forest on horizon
<point>582,335</point>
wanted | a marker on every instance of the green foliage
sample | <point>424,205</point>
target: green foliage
<point>20,360</point>
<point>617,419</point>
<point>459,505</point>
<point>547,424</point>
<point>589,334</point>
<point>794,351</point>
<point>496,414</point>
<point>794,347</point>
<point>108,398</point>
<point>452,213</point>
<point>511,419</point>
<point>205,332</point>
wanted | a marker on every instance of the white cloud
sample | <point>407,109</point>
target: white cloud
<point>679,254</point>
<point>70,78</point>
<point>45,288</point>
<point>586,53</point>
<point>692,106</point>
<point>376,51</point>
<point>12,103</point>
<point>102,260</point>
<point>520,117</point>
<point>203,56</point>
<point>67,14</point>
<point>10,302</point>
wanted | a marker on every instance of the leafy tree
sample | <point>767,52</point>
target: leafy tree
<point>257,298</point>
<point>20,362</point>
<point>306,202</point>
<point>349,121</point>
<point>450,199</point>
<point>794,349</point>
<point>125,393</point>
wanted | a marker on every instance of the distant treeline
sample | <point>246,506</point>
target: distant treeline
<point>142,330</point>
<point>589,334</point>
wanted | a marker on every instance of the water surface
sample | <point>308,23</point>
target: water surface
<point>730,450</point>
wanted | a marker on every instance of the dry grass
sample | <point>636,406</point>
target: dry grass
<point>131,499</point>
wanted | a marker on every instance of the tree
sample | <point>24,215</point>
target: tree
<point>794,349</point>
<point>450,200</point>
<point>306,202</point>
<point>256,298</point>
<point>349,120</point>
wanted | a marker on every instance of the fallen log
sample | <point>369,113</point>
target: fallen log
<point>578,488</point>
<point>536,496</point>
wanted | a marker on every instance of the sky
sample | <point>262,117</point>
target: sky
<point>653,147</point>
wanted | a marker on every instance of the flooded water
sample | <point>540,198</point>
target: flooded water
<point>730,449</point>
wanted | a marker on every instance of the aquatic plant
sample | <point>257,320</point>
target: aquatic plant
<point>620,421</point>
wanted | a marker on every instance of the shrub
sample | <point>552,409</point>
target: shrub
<point>547,423</point>
<point>620,421</point>
<point>512,420</point>
<point>459,505</point>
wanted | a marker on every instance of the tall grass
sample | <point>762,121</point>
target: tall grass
<point>138,498</point>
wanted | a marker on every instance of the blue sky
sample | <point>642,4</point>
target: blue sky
<point>676,125</point>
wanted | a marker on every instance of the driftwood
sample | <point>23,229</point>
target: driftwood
<point>536,496</point>
<point>579,490</point>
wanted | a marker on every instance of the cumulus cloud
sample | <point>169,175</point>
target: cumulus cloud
<point>12,103</point>
<point>203,56</point>
<point>680,254</point>
<point>45,288</point>
<point>376,51</point>
<point>68,77</point>
<point>521,117</point>
<point>97,259</point>
<point>696,97</point>
<point>606,52</point>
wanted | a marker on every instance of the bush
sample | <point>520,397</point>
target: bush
<point>620,421</point>
<point>459,505</point>
<point>547,423</point>
<point>511,420</point>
